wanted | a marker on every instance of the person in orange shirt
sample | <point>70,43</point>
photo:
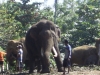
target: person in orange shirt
<point>2,54</point>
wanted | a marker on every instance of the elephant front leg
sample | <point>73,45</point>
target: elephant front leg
<point>31,66</point>
<point>58,61</point>
<point>98,61</point>
<point>59,64</point>
<point>45,63</point>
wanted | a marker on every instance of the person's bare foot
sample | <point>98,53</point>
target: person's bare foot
<point>63,74</point>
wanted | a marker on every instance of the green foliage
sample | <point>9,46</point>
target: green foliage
<point>52,61</point>
<point>79,20</point>
<point>87,27</point>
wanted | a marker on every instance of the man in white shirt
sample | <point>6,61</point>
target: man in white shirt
<point>20,58</point>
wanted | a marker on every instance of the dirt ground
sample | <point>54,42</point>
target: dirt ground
<point>85,72</point>
<point>75,73</point>
<point>90,70</point>
<point>94,70</point>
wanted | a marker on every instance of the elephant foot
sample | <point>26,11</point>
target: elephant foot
<point>60,69</point>
<point>45,71</point>
<point>30,72</point>
<point>39,70</point>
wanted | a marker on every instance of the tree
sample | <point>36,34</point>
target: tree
<point>87,27</point>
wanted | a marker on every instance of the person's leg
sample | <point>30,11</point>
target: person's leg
<point>17,65</point>
<point>21,66</point>
<point>68,69</point>
<point>2,66</point>
<point>64,71</point>
<point>64,65</point>
<point>69,65</point>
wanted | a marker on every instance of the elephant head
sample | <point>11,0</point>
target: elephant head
<point>40,41</point>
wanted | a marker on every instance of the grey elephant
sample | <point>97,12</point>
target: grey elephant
<point>81,55</point>
<point>12,54</point>
<point>40,41</point>
<point>12,51</point>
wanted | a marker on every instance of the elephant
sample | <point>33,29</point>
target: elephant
<point>39,41</point>
<point>81,55</point>
<point>12,54</point>
<point>12,51</point>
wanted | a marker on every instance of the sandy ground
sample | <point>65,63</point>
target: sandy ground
<point>85,72</point>
<point>77,73</point>
<point>74,71</point>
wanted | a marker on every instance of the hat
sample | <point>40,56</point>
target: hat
<point>19,46</point>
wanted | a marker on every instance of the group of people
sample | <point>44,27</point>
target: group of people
<point>19,64</point>
<point>66,61</point>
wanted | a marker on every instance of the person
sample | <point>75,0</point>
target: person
<point>19,58</point>
<point>67,57</point>
<point>2,54</point>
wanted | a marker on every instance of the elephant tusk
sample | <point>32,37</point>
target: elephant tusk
<point>55,52</point>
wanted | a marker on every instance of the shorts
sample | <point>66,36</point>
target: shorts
<point>1,62</point>
<point>19,64</point>
<point>66,63</point>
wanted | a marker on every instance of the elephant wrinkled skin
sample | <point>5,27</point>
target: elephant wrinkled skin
<point>39,41</point>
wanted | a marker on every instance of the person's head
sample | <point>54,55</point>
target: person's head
<point>65,42</point>
<point>19,46</point>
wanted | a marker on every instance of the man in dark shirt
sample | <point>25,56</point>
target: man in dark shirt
<point>66,61</point>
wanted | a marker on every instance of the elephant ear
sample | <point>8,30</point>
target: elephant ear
<point>33,32</point>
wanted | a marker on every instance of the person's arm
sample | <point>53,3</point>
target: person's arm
<point>70,52</point>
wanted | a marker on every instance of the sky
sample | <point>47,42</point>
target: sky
<point>48,3</point>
